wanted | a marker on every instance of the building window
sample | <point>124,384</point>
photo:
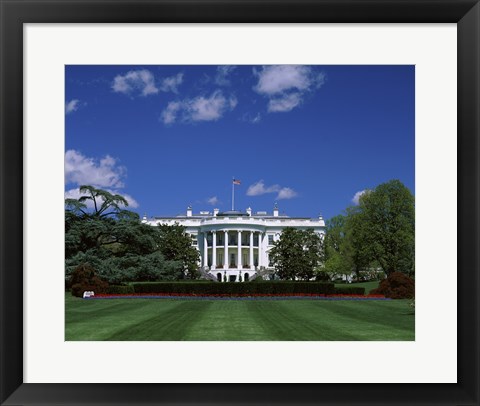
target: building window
<point>220,259</point>
<point>194,239</point>
<point>245,260</point>
<point>270,239</point>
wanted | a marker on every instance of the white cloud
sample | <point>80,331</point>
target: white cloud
<point>286,193</point>
<point>141,81</point>
<point>169,115</point>
<point>356,197</point>
<point>171,83</point>
<point>104,173</point>
<point>200,108</point>
<point>286,85</point>
<point>75,194</point>
<point>82,170</point>
<point>279,78</point>
<point>72,106</point>
<point>285,103</point>
<point>259,188</point>
<point>213,200</point>
<point>223,72</point>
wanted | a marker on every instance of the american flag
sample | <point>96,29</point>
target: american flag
<point>236,182</point>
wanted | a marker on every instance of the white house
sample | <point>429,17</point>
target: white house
<point>235,244</point>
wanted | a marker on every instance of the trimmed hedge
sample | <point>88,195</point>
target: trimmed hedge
<point>233,288</point>
<point>120,289</point>
<point>353,290</point>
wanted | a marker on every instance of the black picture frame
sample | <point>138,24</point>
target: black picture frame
<point>14,13</point>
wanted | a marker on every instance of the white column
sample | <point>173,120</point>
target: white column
<point>225,254</point>
<point>251,249</point>
<point>239,250</point>
<point>214,250</point>
<point>205,250</point>
<point>260,262</point>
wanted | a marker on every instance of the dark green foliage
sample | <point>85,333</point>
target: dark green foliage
<point>349,290</point>
<point>119,246</point>
<point>120,289</point>
<point>384,227</point>
<point>296,254</point>
<point>266,287</point>
<point>127,268</point>
<point>176,245</point>
<point>378,234</point>
<point>84,278</point>
<point>396,286</point>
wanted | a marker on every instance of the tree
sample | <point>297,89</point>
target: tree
<point>296,254</point>
<point>176,245</point>
<point>103,204</point>
<point>384,223</point>
<point>100,232</point>
<point>337,259</point>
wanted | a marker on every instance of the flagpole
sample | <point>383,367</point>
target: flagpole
<point>233,193</point>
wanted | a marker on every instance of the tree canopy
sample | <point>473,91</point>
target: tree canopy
<point>378,234</point>
<point>296,254</point>
<point>101,232</point>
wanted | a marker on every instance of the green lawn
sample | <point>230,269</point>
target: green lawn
<point>209,320</point>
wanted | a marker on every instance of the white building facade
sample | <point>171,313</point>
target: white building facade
<point>234,245</point>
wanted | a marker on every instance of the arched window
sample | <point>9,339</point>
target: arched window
<point>219,277</point>
<point>245,276</point>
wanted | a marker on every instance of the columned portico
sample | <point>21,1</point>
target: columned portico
<point>239,250</point>
<point>225,254</point>
<point>251,250</point>
<point>205,250</point>
<point>235,243</point>
<point>214,250</point>
<point>260,250</point>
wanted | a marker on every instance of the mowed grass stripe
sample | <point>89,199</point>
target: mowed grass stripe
<point>393,320</point>
<point>172,324</point>
<point>126,319</point>
<point>235,320</point>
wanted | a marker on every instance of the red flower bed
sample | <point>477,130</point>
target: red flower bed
<point>242,295</point>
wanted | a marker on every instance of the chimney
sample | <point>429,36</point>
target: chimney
<point>215,212</point>
<point>249,211</point>
<point>275,210</point>
<point>189,211</point>
<point>144,219</point>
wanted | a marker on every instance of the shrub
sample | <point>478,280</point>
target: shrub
<point>84,279</point>
<point>350,290</point>
<point>265,287</point>
<point>120,289</point>
<point>396,286</point>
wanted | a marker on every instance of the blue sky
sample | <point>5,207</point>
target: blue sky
<point>308,137</point>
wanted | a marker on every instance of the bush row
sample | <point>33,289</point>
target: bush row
<point>235,288</point>
<point>352,290</point>
<point>120,289</point>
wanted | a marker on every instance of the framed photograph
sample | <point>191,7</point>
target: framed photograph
<point>274,57</point>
